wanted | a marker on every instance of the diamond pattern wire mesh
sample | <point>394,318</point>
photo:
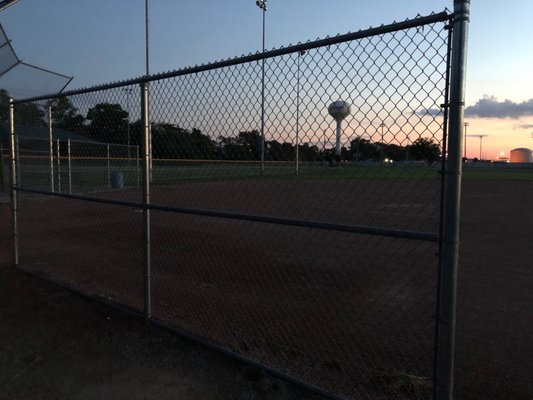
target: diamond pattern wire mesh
<point>349,312</point>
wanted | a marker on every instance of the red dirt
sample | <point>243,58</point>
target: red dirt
<point>342,311</point>
<point>57,345</point>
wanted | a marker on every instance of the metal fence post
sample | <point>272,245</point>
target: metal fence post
<point>2,168</point>
<point>297,109</point>
<point>50,138</point>
<point>17,160</point>
<point>58,155</point>
<point>69,167</point>
<point>108,167</point>
<point>145,107</point>
<point>450,240</point>
<point>14,197</point>
<point>137,161</point>
<point>263,98</point>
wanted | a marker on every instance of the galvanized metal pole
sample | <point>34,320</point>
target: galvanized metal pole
<point>69,167</point>
<point>14,184</point>
<point>146,202</point>
<point>108,156</point>
<point>298,108</point>
<point>382,126</point>
<point>466,124</point>
<point>263,98</point>
<point>17,158</point>
<point>51,148</point>
<point>450,240</point>
<point>58,155</point>
<point>147,26</point>
<point>137,158</point>
<point>2,168</point>
<point>128,93</point>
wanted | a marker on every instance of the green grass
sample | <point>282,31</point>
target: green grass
<point>95,174</point>
<point>504,174</point>
<point>221,172</point>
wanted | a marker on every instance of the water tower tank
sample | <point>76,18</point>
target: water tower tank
<point>339,110</point>
<point>521,155</point>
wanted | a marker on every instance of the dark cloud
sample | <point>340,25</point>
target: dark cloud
<point>525,126</point>
<point>490,107</point>
<point>431,112</point>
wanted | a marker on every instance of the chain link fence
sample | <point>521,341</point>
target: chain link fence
<point>306,244</point>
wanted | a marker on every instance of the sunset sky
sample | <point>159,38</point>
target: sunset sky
<point>102,41</point>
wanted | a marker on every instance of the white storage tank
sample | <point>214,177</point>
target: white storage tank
<point>521,155</point>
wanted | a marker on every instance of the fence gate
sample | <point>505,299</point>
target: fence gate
<point>309,250</point>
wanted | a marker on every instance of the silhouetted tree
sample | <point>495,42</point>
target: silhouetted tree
<point>25,113</point>
<point>108,123</point>
<point>364,149</point>
<point>246,146</point>
<point>171,141</point>
<point>66,116</point>
<point>276,151</point>
<point>424,149</point>
<point>309,153</point>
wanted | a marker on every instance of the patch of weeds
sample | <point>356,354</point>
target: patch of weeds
<point>396,381</point>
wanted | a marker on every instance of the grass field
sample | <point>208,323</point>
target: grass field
<point>91,172</point>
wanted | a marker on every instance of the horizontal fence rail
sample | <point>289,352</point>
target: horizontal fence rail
<point>255,218</point>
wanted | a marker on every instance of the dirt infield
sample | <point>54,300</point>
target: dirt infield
<point>55,344</point>
<point>352,313</point>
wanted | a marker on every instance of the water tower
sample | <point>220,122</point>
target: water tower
<point>339,110</point>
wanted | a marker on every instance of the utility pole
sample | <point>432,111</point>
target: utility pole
<point>466,124</point>
<point>480,144</point>
<point>262,5</point>
<point>382,126</point>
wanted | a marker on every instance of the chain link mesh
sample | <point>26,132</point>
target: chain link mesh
<point>349,312</point>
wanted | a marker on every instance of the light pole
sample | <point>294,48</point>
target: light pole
<point>466,124</point>
<point>147,47</point>
<point>300,53</point>
<point>128,93</point>
<point>480,143</point>
<point>262,5</point>
<point>382,126</point>
<point>407,148</point>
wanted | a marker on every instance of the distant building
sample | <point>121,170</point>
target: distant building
<point>521,155</point>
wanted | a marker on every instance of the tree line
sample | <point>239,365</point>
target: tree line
<point>109,123</point>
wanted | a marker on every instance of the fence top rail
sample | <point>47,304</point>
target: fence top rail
<point>74,141</point>
<point>328,41</point>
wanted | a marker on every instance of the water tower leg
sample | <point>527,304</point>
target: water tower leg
<point>338,140</point>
